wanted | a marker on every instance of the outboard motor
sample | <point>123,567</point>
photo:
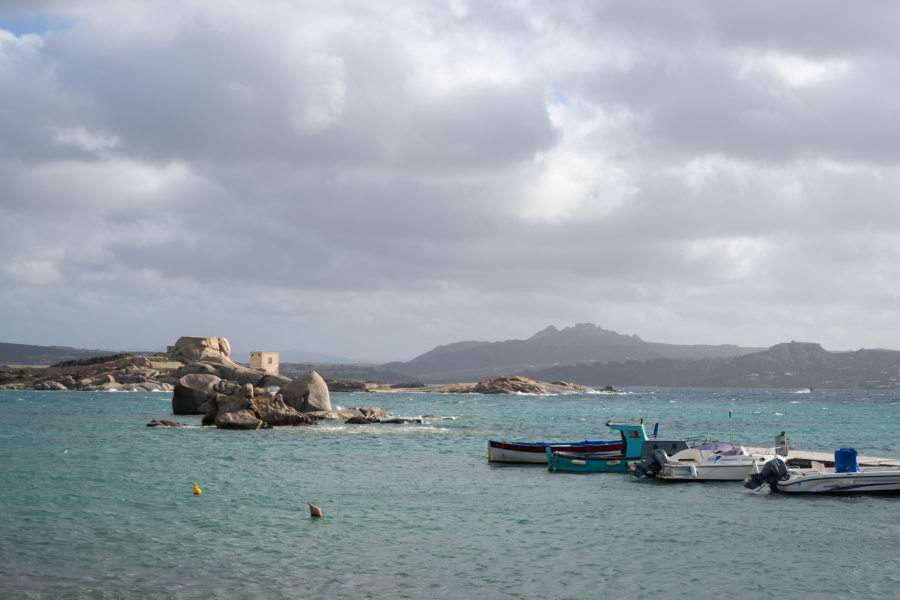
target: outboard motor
<point>772,472</point>
<point>651,464</point>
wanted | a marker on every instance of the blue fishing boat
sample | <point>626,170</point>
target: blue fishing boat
<point>633,445</point>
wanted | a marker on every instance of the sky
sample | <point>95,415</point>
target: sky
<point>373,179</point>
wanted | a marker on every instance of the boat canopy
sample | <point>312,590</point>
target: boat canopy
<point>723,448</point>
<point>845,461</point>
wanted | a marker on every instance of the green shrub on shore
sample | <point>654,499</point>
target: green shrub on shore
<point>23,377</point>
<point>94,360</point>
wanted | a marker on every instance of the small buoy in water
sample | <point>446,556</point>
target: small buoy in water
<point>314,511</point>
<point>197,490</point>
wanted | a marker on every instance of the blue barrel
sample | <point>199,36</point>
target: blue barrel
<point>845,461</point>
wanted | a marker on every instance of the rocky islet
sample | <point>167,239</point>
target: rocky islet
<point>205,381</point>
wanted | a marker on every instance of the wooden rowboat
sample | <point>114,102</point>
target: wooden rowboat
<point>536,452</point>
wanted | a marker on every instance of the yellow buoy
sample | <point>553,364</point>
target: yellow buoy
<point>197,491</point>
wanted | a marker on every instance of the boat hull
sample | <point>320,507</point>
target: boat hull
<point>718,468</point>
<point>572,462</point>
<point>869,480</point>
<point>536,452</point>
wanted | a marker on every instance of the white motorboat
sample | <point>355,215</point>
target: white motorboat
<point>716,461</point>
<point>846,477</point>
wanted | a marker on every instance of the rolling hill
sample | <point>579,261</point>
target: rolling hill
<point>584,342</point>
<point>788,365</point>
<point>27,354</point>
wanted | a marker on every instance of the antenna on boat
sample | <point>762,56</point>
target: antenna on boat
<point>730,426</point>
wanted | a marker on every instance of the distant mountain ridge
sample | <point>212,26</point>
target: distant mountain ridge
<point>788,365</point>
<point>583,342</point>
<point>565,355</point>
<point>29,354</point>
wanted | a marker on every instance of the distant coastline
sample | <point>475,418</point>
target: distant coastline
<point>584,355</point>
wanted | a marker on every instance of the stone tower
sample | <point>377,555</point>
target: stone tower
<point>267,361</point>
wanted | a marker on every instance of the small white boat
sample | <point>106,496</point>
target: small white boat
<point>846,477</point>
<point>716,461</point>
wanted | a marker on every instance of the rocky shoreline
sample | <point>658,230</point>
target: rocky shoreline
<point>515,384</point>
<point>205,381</point>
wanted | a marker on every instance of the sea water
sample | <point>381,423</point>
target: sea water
<point>95,505</point>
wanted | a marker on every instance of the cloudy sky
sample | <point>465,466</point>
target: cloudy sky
<point>372,179</point>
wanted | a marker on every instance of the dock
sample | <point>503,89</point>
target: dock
<point>804,458</point>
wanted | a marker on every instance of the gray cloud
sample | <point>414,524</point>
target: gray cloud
<point>372,181</point>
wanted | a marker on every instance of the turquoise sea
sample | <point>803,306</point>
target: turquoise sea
<point>95,505</point>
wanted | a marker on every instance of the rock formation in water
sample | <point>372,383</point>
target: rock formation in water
<point>205,381</point>
<point>236,406</point>
<point>307,393</point>
<point>504,385</point>
<point>242,406</point>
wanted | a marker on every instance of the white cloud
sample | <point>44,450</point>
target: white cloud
<point>583,176</point>
<point>793,70</point>
<point>320,101</point>
<point>734,258</point>
<point>371,179</point>
<point>32,271</point>
<point>80,137</point>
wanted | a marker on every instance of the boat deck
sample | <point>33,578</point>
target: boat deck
<point>803,458</point>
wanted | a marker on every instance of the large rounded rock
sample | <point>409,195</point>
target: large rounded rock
<point>50,385</point>
<point>273,381</point>
<point>274,411</point>
<point>197,367</point>
<point>240,374</point>
<point>193,394</point>
<point>243,419</point>
<point>228,371</point>
<point>190,349</point>
<point>508,385</point>
<point>307,393</point>
<point>102,379</point>
<point>131,374</point>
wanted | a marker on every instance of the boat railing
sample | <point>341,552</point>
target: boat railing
<point>698,441</point>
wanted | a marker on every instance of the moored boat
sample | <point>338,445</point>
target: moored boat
<point>536,452</point>
<point>846,477</point>
<point>634,444</point>
<point>716,461</point>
